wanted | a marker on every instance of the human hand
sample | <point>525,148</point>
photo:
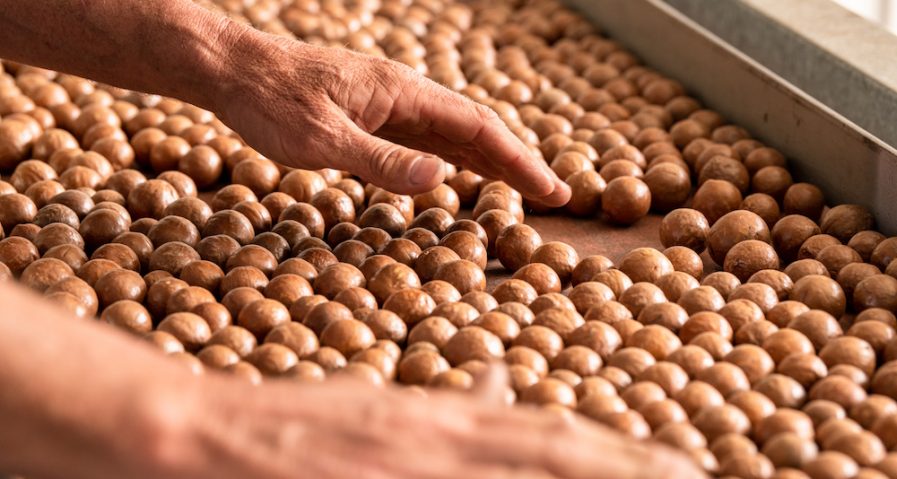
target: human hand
<point>123,410</point>
<point>313,107</point>
<point>342,429</point>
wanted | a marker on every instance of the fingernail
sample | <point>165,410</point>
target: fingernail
<point>558,197</point>
<point>424,169</point>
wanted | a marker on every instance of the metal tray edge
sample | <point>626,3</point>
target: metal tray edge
<point>848,163</point>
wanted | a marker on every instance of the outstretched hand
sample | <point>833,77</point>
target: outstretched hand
<point>314,107</point>
<point>312,430</point>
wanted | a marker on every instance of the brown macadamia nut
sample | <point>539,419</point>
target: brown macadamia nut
<point>645,264</point>
<point>748,257</point>
<point>716,198</point>
<point>684,227</point>
<point>732,229</point>
<point>626,200</point>
<point>560,257</point>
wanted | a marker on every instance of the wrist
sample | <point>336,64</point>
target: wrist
<point>210,58</point>
<point>246,66</point>
<point>219,43</point>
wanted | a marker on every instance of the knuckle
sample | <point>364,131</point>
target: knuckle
<point>388,76</point>
<point>402,70</point>
<point>385,158</point>
<point>381,66</point>
<point>390,71</point>
<point>486,114</point>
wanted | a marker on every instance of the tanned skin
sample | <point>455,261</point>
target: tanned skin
<point>79,399</point>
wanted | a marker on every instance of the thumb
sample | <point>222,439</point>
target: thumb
<point>394,167</point>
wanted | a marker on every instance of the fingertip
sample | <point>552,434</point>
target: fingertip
<point>559,195</point>
<point>562,193</point>
<point>425,173</point>
<point>555,189</point>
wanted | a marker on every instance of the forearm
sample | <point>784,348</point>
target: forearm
<point>77,396</point>
<point>168,47</point>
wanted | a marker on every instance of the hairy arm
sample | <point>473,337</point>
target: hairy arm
<point>172,48</point>
<point>298,104</point>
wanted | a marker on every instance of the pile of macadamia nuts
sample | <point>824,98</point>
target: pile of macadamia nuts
<point>153,216</point>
